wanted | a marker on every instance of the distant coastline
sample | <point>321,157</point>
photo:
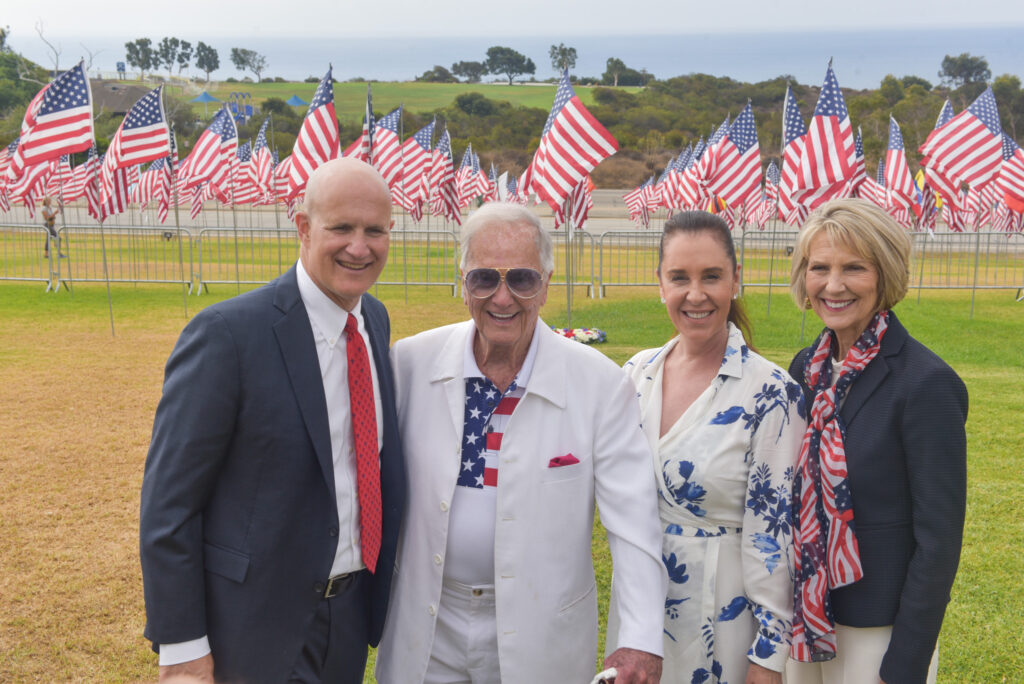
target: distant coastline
<point>861,58</point>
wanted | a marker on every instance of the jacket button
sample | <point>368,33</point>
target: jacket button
<point>333,531</point>
<point>432,610</point>
<point>444,506</point>
<point>437,559</point>
<point>318,587</point>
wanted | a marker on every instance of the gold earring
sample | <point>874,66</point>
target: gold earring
<point>807,302</point>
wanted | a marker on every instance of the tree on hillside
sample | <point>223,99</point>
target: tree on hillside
<point>562,57</point>
<point>1010,99</point>
<point>963,69</point>
<point>249,60</point>
<point>140,54</point>
<point>471,71</point>
<point>4,32</point>
<point>617,73</point>
<point>167,53</point>
<point>505,60</point>
<point>916,80</point>
<point>207,59</point>
<point>891,89</point>
<point>184,55</point>
<point>613,68</point>
<point>437,75</point>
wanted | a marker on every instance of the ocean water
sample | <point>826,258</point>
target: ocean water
<point>860,58</point>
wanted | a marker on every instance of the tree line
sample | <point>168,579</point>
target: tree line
<point>144,55</point>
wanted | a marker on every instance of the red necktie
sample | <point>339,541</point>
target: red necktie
<point>364,433</point>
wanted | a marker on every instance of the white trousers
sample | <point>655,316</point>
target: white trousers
<point>465,648</point>
<point>859,653</point>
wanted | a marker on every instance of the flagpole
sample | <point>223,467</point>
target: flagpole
<point>568,265</point>
<point>185,288</point>
<point>771,267</point>
<point>405,251</point>
<point>103,249</point>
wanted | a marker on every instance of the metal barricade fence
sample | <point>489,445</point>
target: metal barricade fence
<point>243,256</point>
<point>125,255</point>
<point>575,266</point>
<point>21,252</point>
<point>627,259</point>
<point>422,257</point>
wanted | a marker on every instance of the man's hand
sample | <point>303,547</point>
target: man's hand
<point>756,674</point>
<point>198,670</point>
<point>635,667</point>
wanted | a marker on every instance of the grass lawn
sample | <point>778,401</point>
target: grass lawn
<point>350,98</point>
<point>78,403</point>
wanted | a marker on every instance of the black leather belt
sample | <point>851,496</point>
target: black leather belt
<point>338,584</point>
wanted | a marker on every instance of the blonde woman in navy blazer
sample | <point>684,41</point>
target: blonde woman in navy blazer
<point>903,418</point>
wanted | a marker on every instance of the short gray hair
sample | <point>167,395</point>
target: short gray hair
<point>512,215</point>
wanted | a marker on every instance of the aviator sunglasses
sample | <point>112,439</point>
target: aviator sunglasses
<point>524,283</point>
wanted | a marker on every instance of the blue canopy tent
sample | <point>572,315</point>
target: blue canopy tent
<point>296,101</point>
<point>205,98</point>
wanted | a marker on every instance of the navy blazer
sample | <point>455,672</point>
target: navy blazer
<point>239,522</point>
<point>906,455</point>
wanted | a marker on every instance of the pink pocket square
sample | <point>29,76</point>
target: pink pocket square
<point>559,461</point>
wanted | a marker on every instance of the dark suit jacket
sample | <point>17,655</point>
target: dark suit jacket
<point>906,455</point>
<point>239,523</point>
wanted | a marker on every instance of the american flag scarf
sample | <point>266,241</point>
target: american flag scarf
<point>827,555</point>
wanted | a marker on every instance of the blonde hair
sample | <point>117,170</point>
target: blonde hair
<point>866,230</point>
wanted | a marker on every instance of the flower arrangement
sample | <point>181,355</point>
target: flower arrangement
<point>584,335</point>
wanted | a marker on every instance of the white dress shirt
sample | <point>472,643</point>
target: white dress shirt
<point>327,320</point>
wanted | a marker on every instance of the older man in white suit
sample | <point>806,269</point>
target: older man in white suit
<point>512,433</point>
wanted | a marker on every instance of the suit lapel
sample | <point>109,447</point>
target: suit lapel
<point>295,337</point>
<point>876,371</point>
<point>448,370</point>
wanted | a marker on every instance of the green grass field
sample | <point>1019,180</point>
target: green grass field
<point>350,98</point>
<point>78,403</point>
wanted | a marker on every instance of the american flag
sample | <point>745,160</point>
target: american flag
<point>212,155</point>
<point>1005,219</point>
<point>362,148</point>
<point>483,182</point>
<point>707,162</point>
<point>444,199</point>
<point>491,194</point>
<point>244,190</point>
<point>794,133</point>
<point>487,414</point>
<point>737,167</point>
<point>58,121</point>
<point>691,186</point>
<point>318,140</point>
<point>114,189</point>
<point>636,202</point>
<point>387,147</point>
<point>464,180</point>
<point>60,177</point>
<point>873,189</point>
<point>967,149</point>
<point>945,114</point>
<point>664,184</point>
<point>143,135</point>
<point>75,187</point>
<point>760,211</point>
<point>511,188</point>
<point>829,154</point>
<point>91,187</point>
<point>30,185</point>
<point>263,163</point>
<point>898,181</point>
<point>572,144</point>
<point>927,218</point>
<point>1010,180</point>
<point>860,171</point>
<point>672,195</point>
<point>579,203</point>
<point>5,161</point>
<point>416,154</point>
<point>154,186</point>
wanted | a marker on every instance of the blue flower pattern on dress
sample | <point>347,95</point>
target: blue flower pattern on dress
<point>744,443</point>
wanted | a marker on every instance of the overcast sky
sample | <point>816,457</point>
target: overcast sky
<point>324,18</point>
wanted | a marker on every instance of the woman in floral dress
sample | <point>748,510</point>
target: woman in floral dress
<point>724,426</point>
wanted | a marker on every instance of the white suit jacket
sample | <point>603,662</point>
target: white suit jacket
<point>577,401</point>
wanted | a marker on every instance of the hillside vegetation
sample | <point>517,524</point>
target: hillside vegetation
<point>504,122</point>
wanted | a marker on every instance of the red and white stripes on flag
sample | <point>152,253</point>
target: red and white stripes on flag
<point>212,155</point>
<point>416,154</point>
<point>829,153</point>
<point>57,121</point>
<point>572,144</point>
<point>318,140</point>
<point>1010,180</point>
<point>898,182</point>
<point>444,199</point>
<point>794,132</point>
<point>387,147</point>
<point>967,149</point>
<point>737,167</point>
